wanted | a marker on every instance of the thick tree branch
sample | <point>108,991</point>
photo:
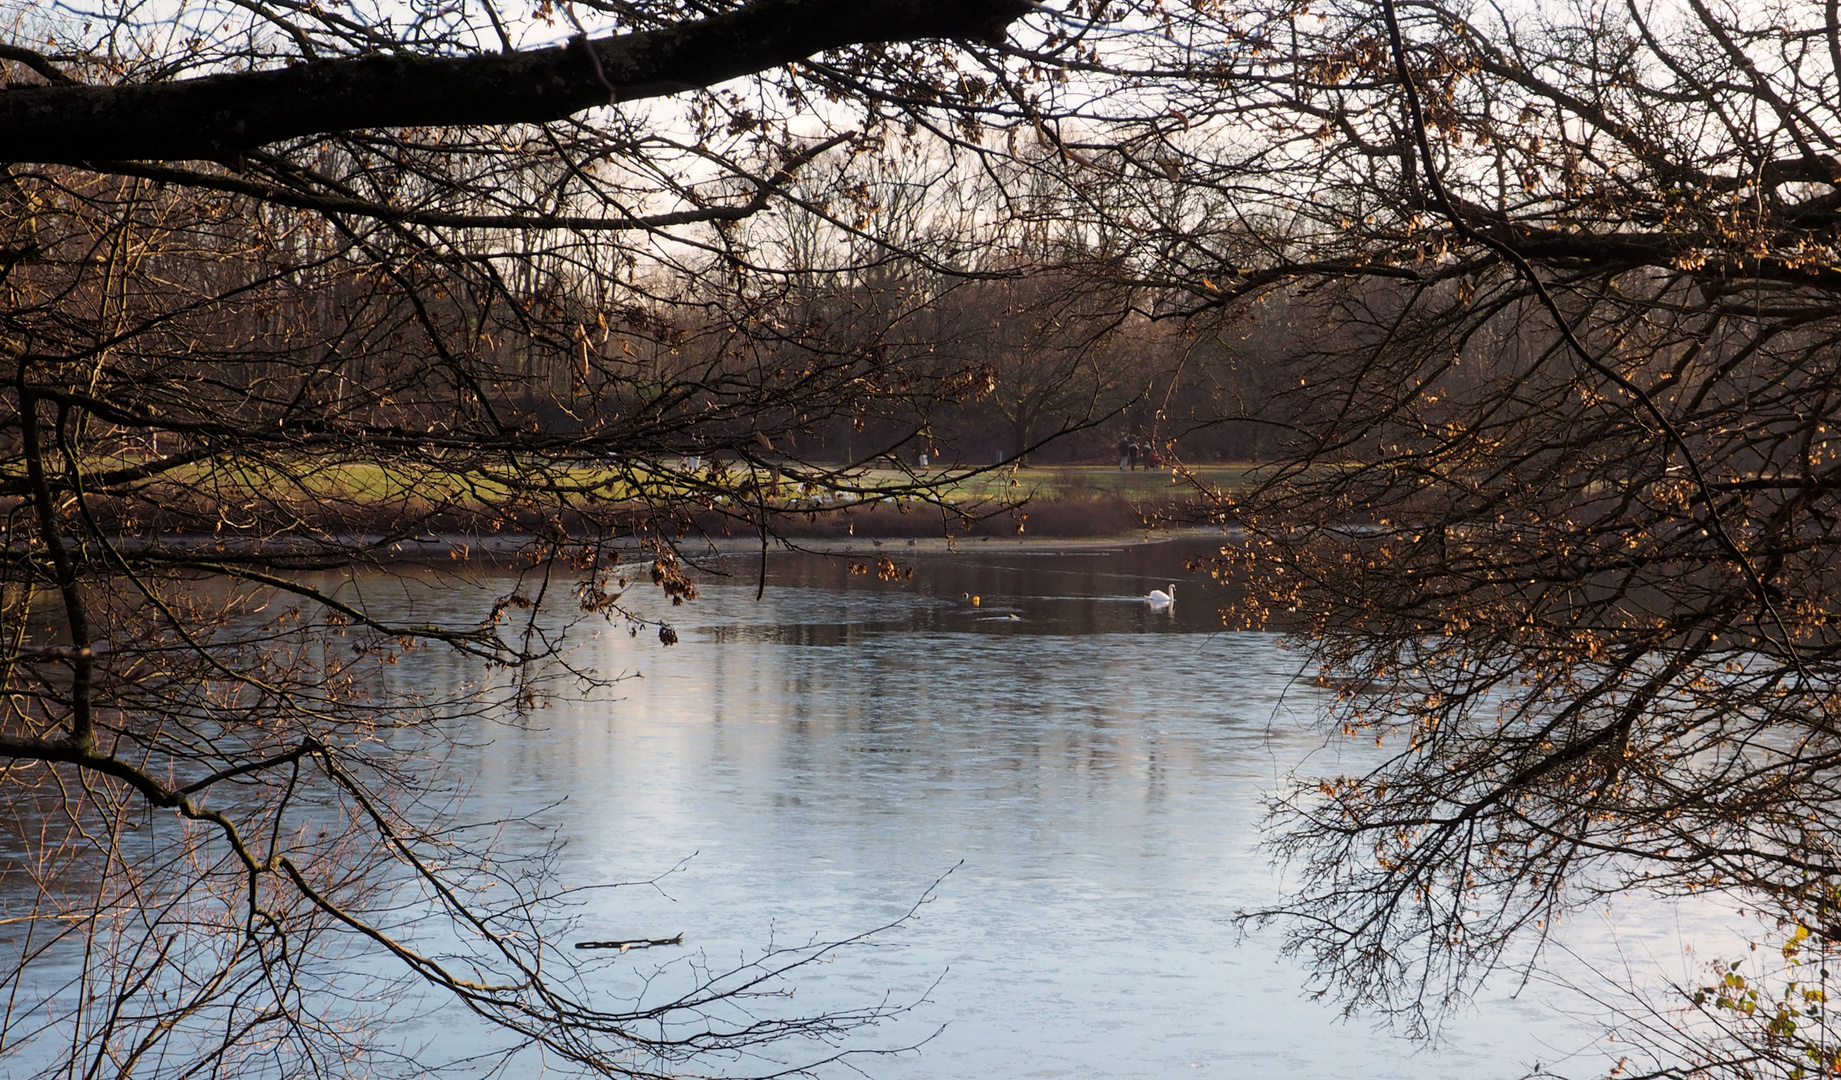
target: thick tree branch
<point>218,116</point>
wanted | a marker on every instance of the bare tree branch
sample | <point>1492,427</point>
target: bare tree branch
<point>216,117</point>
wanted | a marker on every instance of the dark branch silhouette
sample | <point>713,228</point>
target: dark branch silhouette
<point>219,117</point>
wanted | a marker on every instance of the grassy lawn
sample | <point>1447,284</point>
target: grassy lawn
<point>360,483</point>
<point>1087,481</point>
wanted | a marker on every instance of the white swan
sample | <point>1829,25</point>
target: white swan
<point>1160,599</point>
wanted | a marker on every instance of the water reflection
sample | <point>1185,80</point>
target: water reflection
<point>1093,768</point>
<point>1089,769</point>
